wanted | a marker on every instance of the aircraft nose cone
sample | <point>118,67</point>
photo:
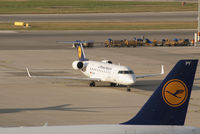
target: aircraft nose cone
<point>131,80</point>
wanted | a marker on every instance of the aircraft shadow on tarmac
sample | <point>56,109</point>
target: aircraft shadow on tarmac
<point>65,107</point>
<point>148,85</point>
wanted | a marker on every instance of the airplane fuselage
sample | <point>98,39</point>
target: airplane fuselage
<point>102,129</point>
<point>109,72</point>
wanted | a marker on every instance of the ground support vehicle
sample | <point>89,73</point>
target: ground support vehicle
<point>130,43</point>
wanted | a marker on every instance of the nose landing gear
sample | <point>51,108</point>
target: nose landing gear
<point>128,89</point>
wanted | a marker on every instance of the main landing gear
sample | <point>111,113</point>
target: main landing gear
<point>113,84</point>
<point>92,84</point>
<point>128,88</point>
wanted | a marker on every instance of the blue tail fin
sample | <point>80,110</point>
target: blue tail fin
<point>81,54</point>
<point>168,104</point>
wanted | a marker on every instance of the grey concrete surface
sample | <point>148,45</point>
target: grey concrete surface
<point>33,102</point>
<point>103,17</point>
<point>41,40</point>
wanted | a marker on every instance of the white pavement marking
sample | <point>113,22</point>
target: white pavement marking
<point>8,31</point>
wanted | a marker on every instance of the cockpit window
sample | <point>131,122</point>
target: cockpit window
<point>125,72</point>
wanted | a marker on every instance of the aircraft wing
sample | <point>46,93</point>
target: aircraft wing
<point>151,75</point>
<point>62,77</point>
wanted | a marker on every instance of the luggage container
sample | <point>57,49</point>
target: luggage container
<point>130,43</point>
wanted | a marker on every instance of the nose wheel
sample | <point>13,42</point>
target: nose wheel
<point>92,84</point>
<point>128,88</point>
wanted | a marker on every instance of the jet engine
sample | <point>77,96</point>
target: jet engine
<point>78,65</point>
<point>107,61</point>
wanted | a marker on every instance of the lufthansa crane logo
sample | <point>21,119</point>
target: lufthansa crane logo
<point>175,92</point>
<point>79,52</point>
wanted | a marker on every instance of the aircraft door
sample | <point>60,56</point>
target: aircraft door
<point>113,76</point>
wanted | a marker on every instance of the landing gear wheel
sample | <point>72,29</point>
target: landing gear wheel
<point>113,84</point>
<point>128,89</point>
<point>92,84</point>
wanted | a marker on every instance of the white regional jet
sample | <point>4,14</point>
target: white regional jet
<point>163,113</point>
<point>102,71</point>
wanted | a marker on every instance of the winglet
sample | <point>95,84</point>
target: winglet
<point>46,124</point>
<point>162,70</point>
<point>29,75</point>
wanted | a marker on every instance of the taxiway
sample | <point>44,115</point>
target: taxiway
<point>33,102</point>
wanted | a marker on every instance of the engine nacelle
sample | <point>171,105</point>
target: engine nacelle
<point>107,61</point>
<point>78,65</point>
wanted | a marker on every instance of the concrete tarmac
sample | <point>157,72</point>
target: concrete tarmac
<point>42,40</point>
<point>102,17</point>
<point>33,102</point>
